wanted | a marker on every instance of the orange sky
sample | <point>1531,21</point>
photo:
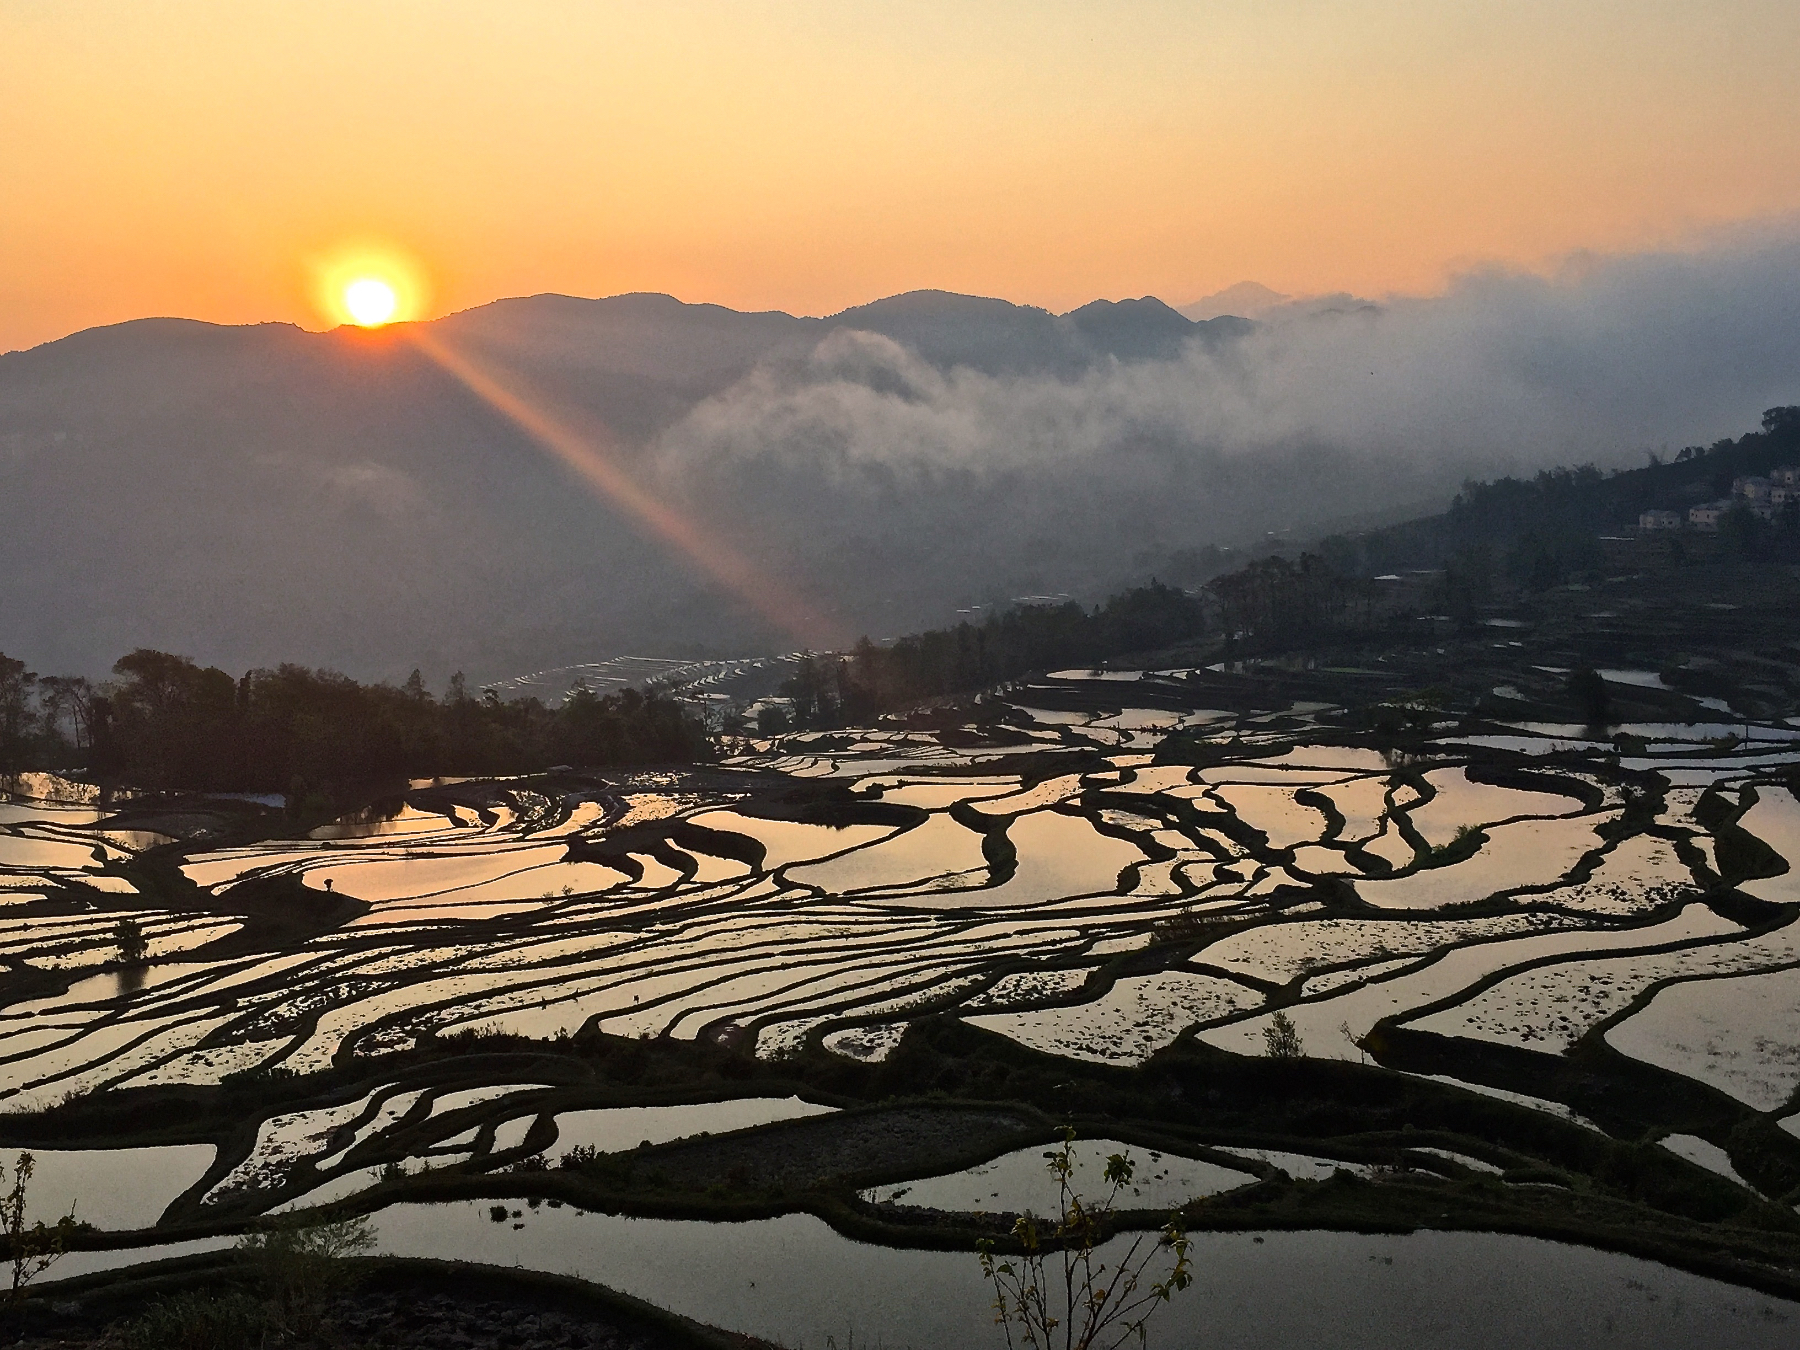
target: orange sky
<point>205,158</point>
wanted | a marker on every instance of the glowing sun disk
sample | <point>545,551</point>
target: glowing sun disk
<point>370,301</point>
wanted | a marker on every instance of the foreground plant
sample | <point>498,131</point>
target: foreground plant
<point>1058,1293</point>
<point>300,1265</point>
<point>304,1265</point>
<point>34,1248</point>
<point>194,1319</point>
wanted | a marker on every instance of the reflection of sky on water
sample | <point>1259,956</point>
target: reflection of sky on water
<point>482,919</point>
<point>794,1280</point>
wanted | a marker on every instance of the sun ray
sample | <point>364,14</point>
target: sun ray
<point>587,454</point>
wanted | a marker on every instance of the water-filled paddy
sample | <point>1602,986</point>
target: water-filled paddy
<point>1552,1006</point>
<point>1362,802</point>
<point>1136,1017</point>
<point>1274,812</point>
<point>1775,819</point>
<point>795,1280</point>
<point>1280,951</point>
<point>1524,853</point>
<point>615,1129</point>
<point>934,796</point>
<point>787,841</point>
<point>1019,1182</point>
<point>937,847</point>
<point>1641,873</point>
<point>1703,1152</point>
<point>1460,802</point>
<point>1151,903</point>
<point>114,1189</point>
<point>1740,1034</point>
<point>1321,1022</point>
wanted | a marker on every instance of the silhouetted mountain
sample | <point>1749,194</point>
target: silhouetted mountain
<point>1147,329</point>
<point>253,494</point>
<point>994,336</point>
<point>248,493</point>
<point>639,361</point>
<point>1001,338</point>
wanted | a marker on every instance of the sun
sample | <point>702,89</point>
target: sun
<point>368,283</point>
<point>370,302</point>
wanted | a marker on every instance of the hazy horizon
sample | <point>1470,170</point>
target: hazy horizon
<point>322,326</point>
<point>215,161</point>
<point>342,498</point>
<point>1473,241</point>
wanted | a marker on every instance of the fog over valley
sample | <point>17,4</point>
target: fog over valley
<point>251,494</point>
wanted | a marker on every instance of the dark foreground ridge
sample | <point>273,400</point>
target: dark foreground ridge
<point>213,1303</point>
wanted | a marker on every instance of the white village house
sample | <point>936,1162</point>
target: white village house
<point>1765,497</point>
<point>1707,515</point>
<point>1751,489</point>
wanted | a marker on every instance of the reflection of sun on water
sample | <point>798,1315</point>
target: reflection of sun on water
<point>370,301</point>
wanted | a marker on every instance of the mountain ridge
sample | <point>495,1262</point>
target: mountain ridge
<point>903,308</point>
<point>242,493</point>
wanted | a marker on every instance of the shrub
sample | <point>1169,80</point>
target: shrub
<point>304,1265</point>
<point>1467,840</point>
<point>192,1320</point>
<point>1281,1038</point>
<point>1086,1305</point>
<point>133,946</point>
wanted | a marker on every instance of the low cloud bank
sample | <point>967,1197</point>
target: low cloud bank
<point>1507,372</point>
<point>253,495</point>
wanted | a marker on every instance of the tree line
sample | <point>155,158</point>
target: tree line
<point>163,722</point>
<point>846,689</point>
<point>1278,602</point>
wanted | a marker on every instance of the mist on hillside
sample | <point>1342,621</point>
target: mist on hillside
<point>251,495</point>
<point>862,452</point>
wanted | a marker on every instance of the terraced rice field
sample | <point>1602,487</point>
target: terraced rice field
<point>1019,1183</point>
<point>1061,889</point>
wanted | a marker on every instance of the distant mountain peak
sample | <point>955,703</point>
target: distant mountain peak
<point>1143,329</point>
<point>1246,299</point>
<point>935,304</point>
<point>1145,309</point>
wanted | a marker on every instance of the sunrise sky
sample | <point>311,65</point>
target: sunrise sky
<point>217,160</point>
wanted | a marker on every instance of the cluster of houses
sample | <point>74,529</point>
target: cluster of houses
<point>1764,497</point>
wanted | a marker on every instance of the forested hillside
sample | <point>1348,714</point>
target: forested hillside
<point>1542,530</point>
<point>846,688</point>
